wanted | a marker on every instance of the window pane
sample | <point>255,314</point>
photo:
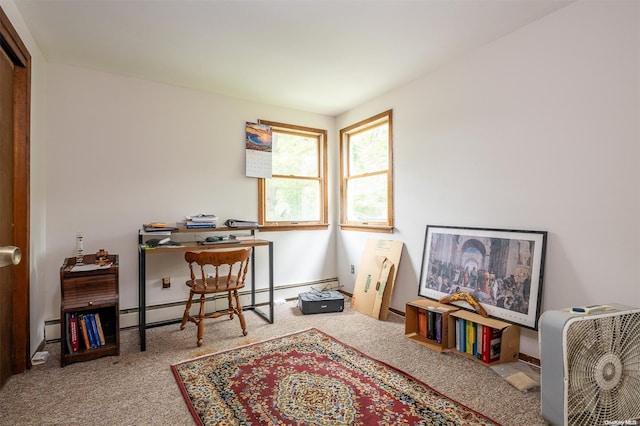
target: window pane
<point>369,150</point>
<point>292,200</point>
<point>295,155</point>
<point>367,199</point>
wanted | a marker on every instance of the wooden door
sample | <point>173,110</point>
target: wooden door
<point>15,75</point>
<point>6,211</point>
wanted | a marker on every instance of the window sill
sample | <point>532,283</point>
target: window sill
<point>293,227</point>
<point>367,228</point>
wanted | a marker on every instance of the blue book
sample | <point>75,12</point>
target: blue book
<point>463,335</point>
<point>96,333</point>
<point>198,225</point>
<point>92,336</point>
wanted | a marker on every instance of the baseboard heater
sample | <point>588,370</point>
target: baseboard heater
<point>171,312</point>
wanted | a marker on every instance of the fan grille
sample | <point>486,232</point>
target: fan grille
<point>603,362</point>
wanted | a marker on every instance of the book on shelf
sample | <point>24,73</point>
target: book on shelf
<point>491,342</point>
<point>83,331</point>
<point>94,330</point>
<point>73,333</point>
<point>462,331</point>
<point>67,324</point>
<point>474,341</point>
<point>87,327</point>
<point>90,332</point>
<point>202,218</point>
<point>431,324</point>
<point>438,323</point>
<point>422,322</point>
<point>100,331</point>
<point>67,331</point>
<point>495,347</point>
<point>241,223</point>
<point>158,227</point>
<point>198,225</point>
<point>470,338</point>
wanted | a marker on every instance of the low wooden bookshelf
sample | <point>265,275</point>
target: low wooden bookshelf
<point>89,292</point>
<point>509,333</point>
<point>418,333</point>
<point>509,336</point>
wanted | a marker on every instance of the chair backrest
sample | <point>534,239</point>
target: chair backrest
<point>237,262</point>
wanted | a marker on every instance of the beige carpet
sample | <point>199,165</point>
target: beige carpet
<point>139,388</point>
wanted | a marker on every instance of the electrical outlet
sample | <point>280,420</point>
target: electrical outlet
<point>166,282</point>
<point>353,269</point>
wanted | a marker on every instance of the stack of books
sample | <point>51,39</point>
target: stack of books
<point>201,221</point>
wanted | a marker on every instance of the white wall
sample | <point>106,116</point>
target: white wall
<point>37,248</point>
<point>538,130</point>
<point>123,152</point>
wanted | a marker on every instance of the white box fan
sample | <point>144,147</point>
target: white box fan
<point>590,365</point>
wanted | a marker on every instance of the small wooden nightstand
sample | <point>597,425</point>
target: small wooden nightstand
<point>85,293</point>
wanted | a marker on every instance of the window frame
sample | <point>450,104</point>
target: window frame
<point>322,178</point>
<point>345,134</point>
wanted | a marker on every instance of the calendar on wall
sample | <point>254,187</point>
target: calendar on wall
<point>258,146</point>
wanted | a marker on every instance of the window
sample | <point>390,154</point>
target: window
<point>365,174</point>
<point>296,195</point>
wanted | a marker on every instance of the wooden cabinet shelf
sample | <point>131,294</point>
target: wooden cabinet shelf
<point>90,292</point>
<point>418,332</point>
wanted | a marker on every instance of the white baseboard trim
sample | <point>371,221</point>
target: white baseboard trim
<point>174,310</point>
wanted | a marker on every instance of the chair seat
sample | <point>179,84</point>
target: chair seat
<point>223,285</point>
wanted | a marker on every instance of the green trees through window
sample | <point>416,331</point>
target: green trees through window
<point>366,173</point>
<point>296,193</point>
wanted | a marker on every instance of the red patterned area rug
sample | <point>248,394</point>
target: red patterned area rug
<point>310,378</point>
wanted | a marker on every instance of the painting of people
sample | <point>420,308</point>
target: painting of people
<point>501,269</point>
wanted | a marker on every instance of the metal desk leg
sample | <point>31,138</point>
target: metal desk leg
<point>253,277</point>
<point>142,303</point>
<point>268,318</point>
<point>271,282</point>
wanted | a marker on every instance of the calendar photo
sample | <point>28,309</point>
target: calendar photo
<point>258,145</point>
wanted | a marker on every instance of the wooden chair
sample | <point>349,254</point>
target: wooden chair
<point>219,272</point>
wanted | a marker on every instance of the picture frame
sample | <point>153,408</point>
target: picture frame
<point>508,276</point>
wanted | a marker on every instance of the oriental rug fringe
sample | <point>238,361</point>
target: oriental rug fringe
<point>310,378</point>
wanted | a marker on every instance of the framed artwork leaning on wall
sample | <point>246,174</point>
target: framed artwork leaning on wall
<point>502,269</point>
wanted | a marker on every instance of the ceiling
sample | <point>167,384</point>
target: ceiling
<point>322,56</point>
